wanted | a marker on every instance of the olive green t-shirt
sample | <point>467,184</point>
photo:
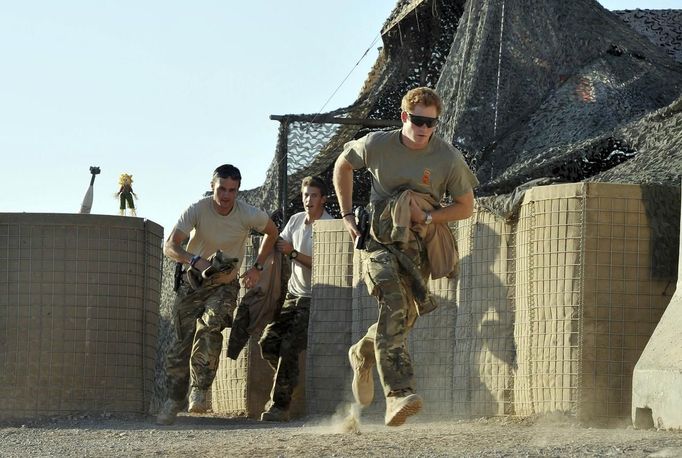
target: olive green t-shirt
<point>209,231</point>
<point>438,168</point>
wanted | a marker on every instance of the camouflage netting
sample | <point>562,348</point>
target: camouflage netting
<point>662,27</point>
<point>541,93</point>
<point>535,93</point>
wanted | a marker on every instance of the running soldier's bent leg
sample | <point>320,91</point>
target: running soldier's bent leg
<point>294,341</point>
<point>187,307</point>
<point>397,314</point>
<point>271,340</point>
<point>208,338</point>
<point>365,346</point>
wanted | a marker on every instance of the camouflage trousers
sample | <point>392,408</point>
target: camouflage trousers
<point>199,318</point>
<point>385,342</point>
<point>282,342</point>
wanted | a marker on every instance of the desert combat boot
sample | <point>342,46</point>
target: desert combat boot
<point>169,410</point>
<point>197,401</point>
<point>398,408</point>
<point>363,382</point>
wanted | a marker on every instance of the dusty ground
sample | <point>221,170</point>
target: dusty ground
<point>322,437</point>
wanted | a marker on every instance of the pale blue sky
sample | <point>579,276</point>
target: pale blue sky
<point>167,90</point>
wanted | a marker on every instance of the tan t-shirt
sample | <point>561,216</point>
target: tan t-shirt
<point>438,168</point>
<point>210,231</point>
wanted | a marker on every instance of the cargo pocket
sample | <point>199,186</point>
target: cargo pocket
<point>381,269</point>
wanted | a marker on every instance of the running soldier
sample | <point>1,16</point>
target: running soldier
<point>287,336</point>
<point>217,228</point>
<point>412,170</point>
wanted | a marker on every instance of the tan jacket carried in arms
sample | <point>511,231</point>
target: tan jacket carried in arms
<point>393,225</point>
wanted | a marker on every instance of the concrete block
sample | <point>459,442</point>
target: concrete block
<point>657,378</point>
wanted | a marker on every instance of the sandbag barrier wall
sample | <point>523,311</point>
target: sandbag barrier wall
<point>79,300</point>
<point>552,311</point>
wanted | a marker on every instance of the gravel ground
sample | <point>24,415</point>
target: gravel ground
<point>208,435</point>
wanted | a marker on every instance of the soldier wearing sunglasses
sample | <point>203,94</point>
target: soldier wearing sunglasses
<point>411,158</point>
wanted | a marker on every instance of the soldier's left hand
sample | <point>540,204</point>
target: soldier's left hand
<point>250,278</point>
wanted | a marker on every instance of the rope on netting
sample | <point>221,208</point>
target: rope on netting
<point>499,70</point>
<point>416,16</point>
<point>349,73</point>
<point>464,52</point>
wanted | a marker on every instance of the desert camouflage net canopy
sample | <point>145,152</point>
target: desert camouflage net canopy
<point>545,92</point>
<point>534,92</point>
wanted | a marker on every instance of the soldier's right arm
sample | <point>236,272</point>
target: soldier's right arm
<point>343,184</point>
<point>173,248</point>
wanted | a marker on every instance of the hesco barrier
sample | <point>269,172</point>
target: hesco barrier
<point>329,330</point>
<point>586,299</point>
<point>551,311</point>
<point>79,301</point>
<point>484,358</point>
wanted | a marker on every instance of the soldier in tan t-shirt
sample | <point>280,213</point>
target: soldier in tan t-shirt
<point>219,222</point>
<point>415,159</point>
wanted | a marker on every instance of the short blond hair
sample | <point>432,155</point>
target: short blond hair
<point>421,95</point>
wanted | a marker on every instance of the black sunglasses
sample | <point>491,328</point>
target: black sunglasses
<point>422,120</point>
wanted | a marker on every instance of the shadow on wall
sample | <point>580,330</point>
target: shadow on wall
<point>328,372</point>
<point>485,354</point>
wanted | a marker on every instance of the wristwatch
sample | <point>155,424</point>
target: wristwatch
<point>428,218</point>
<point>258,266</point>
<point>293,254</point>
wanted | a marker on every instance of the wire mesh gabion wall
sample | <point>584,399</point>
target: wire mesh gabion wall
<point>79,310</point>
<point>587,299</point>
<point>329,331</point>
<point>485,351</point>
